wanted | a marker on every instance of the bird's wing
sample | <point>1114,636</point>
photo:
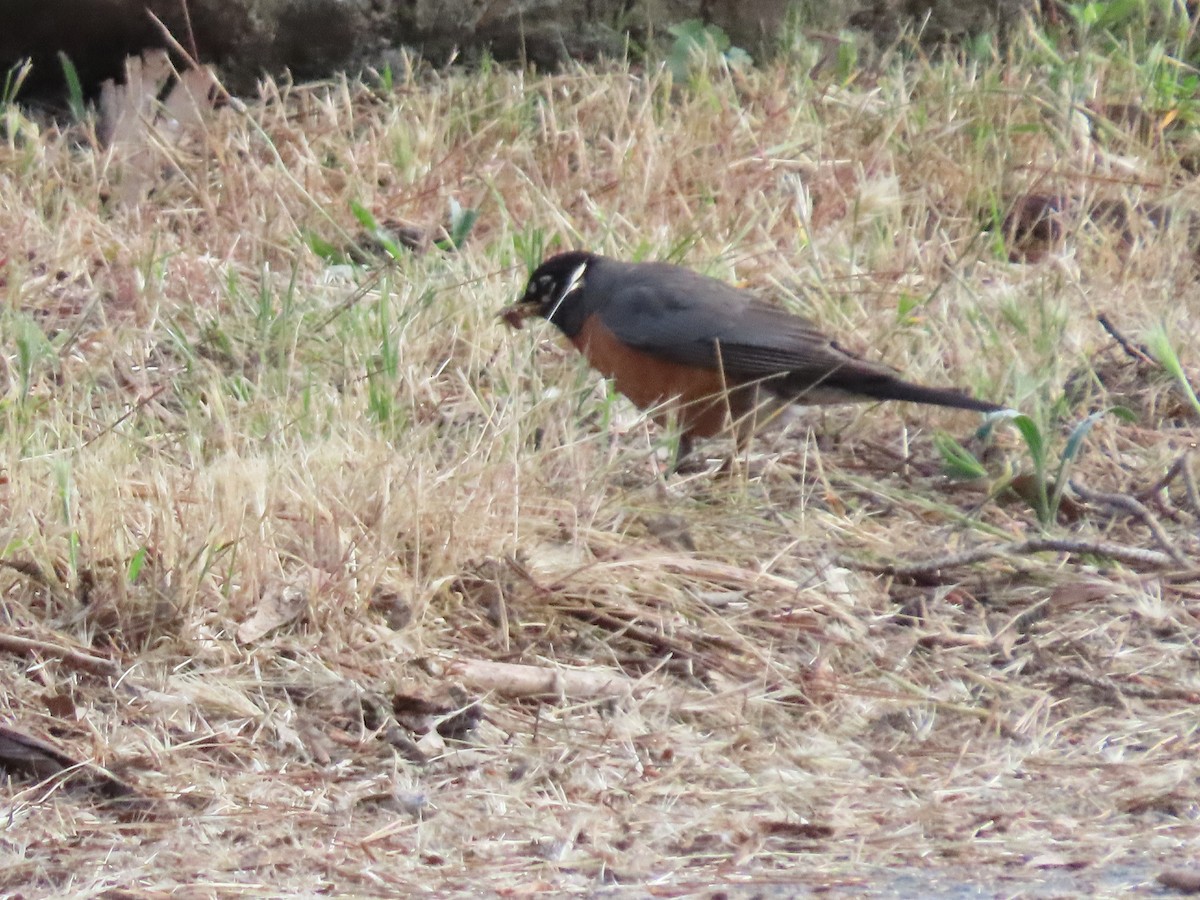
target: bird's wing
<point>690,319</point>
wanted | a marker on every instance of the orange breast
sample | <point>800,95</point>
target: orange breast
<point>697,395</point>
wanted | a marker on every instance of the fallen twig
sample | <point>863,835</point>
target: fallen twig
<point>74,658</point>
<point>1119,691</point>
<point>1102,683</point>
<point>1129,555</point>
<point>1138,510</point>
<point>133,410</point>
<point>513,680</point>
<point>1189,485</point>
<point>1171,474</point>
<point>1132,350</point>
<point>927,566</point>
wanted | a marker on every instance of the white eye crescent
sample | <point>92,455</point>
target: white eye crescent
<point>574,283</point>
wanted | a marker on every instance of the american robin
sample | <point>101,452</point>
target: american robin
<point>702,351</point>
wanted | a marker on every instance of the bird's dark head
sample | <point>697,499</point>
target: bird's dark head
<point>550,289</point>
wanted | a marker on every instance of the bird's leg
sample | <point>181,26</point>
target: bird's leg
<point>683,450</point>
<point>738,460</point>
<point>746,425</point>
<point>671,420</point>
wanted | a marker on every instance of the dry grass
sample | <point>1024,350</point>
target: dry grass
<point>302,506</point>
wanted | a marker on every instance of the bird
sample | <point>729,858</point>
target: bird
<point>700,352</point>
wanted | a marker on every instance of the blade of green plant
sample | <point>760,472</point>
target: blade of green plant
<point>14,77</point>
<point>382,236</point>
<point>696,42</point>
<point>74,87</point>
<point>737,58</point>
<point>1036,443</point>
<point>388,243</point>
<point>32,348</point>
<point>462,226</point>
<point>530,247</point>
<point>1114,13</point>
<point>1032,435</point>
<point>387,82</point>
<point>1070,452</point>
<point>1159,343</point>
<point>958,460</point>
<point>461,222</point>
<point>365,217</point>
<point>135,565</point>
<point>905,305</point>
<point>325,250</point>
<point>62,475</point>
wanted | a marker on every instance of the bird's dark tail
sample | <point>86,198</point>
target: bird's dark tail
<point>896,389</point>
<point>859,382</point>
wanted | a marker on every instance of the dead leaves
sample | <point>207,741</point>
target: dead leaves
<point>142,131</point>
<point>282,602</point>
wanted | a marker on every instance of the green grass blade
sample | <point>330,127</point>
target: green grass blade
<point>1160,345</point>
<point>958,460</point>
<point>74,88</point>
<point>1070,452</point>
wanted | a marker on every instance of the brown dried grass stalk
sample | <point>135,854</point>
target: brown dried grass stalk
<point>206,422</point>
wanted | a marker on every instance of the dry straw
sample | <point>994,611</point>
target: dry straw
<point>367,594</point>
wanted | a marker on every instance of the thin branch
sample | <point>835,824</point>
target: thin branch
<point>1181,469</point>
<point>97,665</point>
<point>1134,556</point>
<point>1132,350</point>
<point>1119,691</point>
<point>1119,552</point>
<point>1189,485</point>
<point>515,680</point>
<point>1172,473</point>
<point>927,566</point>
<point>133,410</point>
<point>1138,510</point>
